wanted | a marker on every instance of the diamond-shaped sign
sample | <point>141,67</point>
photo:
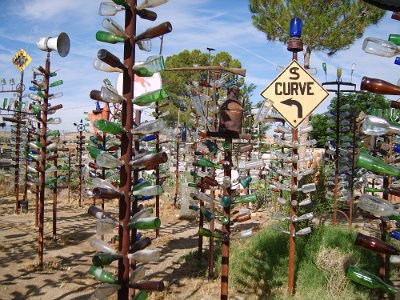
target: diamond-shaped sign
<point>21,59</point>
<point>295,94</point>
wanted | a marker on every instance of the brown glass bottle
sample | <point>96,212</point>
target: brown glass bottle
<point>96,95</point>
<point>379,86</point>
<point>105,193</point>
<point>241,218</point>
<point>245,148</point>
<point>396,15</point>
<point>93,165</point>
<point>147,14</point>
<point>140,245</point>
<point>149,161</point>
<point>110,59</point>
<point>153,32</point>
<point>210,181</point>
<point>148,285</point>
<point>55,107</point>
<point>375,244</point>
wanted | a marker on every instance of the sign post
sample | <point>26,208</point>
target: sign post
<point>295,93</point>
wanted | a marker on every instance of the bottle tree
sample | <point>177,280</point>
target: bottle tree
<point>334,30</point>
<point>181,90</point>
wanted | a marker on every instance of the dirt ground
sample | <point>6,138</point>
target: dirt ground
<point>67,260</point>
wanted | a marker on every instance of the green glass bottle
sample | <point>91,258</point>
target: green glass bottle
<point>369,280</point>
<point>372,190</point>
<point>142,71</point>
<point>245,182</point>
<point>104,259</point>
<point>93,151</point>
<point>203,162</point>
<point>56,83</point>
<point>394,38</point>
<point>108,127</point>
<point>375,164</point>
<point>102,275</point>
<point>245,199</point>
<point>121,2</point>
<point>53,133</point>
<point>145,223</point>
<point>141,295</point>
<point>211,146</point>
<point>216,234</point>
<point>106,37</point>
<point>150,97</point>
<point>225,201</point>
<point>140,185</point>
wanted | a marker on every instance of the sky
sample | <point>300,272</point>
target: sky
<point>224,25</point>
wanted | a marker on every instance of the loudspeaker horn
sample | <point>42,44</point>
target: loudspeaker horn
<point>61,44</point>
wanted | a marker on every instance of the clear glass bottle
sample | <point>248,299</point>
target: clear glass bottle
<point>106,160</point>
<point>153,190</point>
<point>145,255</point>
<point>150,3</point>
<point>109,9</point>
<point>380,47</point>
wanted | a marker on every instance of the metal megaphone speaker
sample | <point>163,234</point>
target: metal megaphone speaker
<point>61,44</point>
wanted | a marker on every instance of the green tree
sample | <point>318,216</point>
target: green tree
<point>180,84</point>
<point>359,102</point>
<point>330,25</point>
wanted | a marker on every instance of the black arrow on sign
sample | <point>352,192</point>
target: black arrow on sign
<point>291,102</point>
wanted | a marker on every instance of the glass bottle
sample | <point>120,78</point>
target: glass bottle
<point>150,3</point>
<point>105,193</point>
<point>140,185</point>
<point>113,27</point>
<point>104,291</point>
<point>108,127</point>
<point>153,190</point>
<point>56,83</point>
<point>141,295</point>
<point>375,164</point>
<point>107,37</point>
<point>203,162</point>
<point>102,246</point>
<point>140,244</point>
<point>149,127</point>
<point>100,214</point>
<point>148,286</point>
<point>137,274</point>
<point>252,164</point>
<point>156,31</point>
<point>263,112</point>
<point>103,183</point>
<point>102,275</point>
<point>149,160</point>
<point>102,66</point>
<point>150,97</point>
<point>109,9</point>
<point>380,47</point>
<point>145,223</point>
<point>104,259</point>
<point>109,94</point>
<point>145,255</point>
<point>106,160</point>
<point>153,64</point>
<point>395,234</point>
<point>375,244</point>
<point>245,199</point>
<point>242,234</point>
<point>105,226</point>
<point>369,280</point>
<point>377,206</point>
<point>216,234</point>
<point>110,59</point>
<point>379,86</point>
<point>54,121</point>
<point>202,196</point>
<point>144,213</point>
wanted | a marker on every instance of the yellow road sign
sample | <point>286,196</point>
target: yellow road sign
<point>295,94</point>
<point>21,59</point>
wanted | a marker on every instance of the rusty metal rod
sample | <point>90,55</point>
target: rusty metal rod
<point>126,154</point>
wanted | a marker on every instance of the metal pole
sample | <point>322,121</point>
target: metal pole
<point>55,190</point>
<point>17,147</point>
<point>157,110</point>
<point>42,164</point>
<point>126,154</point>
<point>69,175</point>
<point>337,154</point>
<point>292,228</point>
<point>226,228</point>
